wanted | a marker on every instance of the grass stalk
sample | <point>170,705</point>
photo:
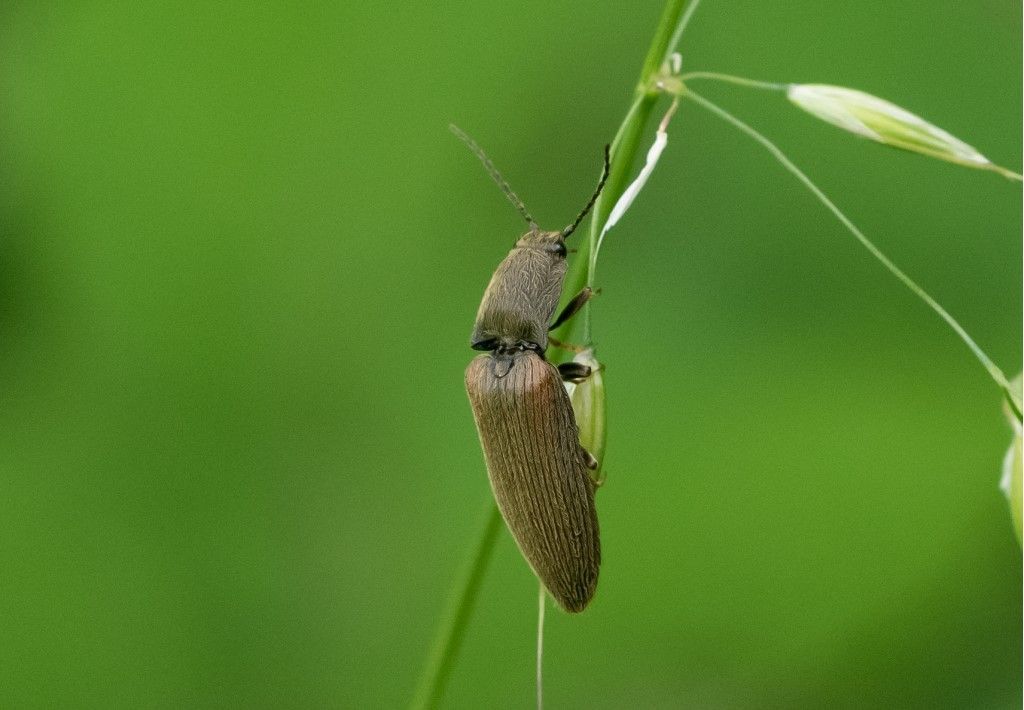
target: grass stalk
<point>731,79</point>
<point>540,648</point>
<point>624,149</point>
<point>453,626</point>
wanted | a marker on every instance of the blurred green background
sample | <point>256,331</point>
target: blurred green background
<point>240,256</point>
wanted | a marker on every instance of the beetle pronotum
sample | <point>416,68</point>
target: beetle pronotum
<point>539,472</point>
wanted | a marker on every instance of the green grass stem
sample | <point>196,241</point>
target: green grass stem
<point>453,626</point>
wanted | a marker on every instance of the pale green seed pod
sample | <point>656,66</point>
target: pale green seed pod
<point>588,404</point>
<point>1010,482</point>
<point>879,120</point>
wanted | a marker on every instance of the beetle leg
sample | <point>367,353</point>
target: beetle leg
<point>597,479</point>
<point>573,306</point>
<point>565,346</point>
<point>574,372</point>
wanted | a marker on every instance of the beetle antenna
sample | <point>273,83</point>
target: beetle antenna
<point>493,172</point>
<point>593,198</point>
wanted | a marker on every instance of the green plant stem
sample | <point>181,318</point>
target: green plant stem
<point>625,145</point>
<point>731,79</point>
<point>624,149</point>
<point>684,21</point>
<point>439,664</point>
<point>670,26</point>
<point>540,649</point>
<point>1007,173</point>
<point>993,370</point>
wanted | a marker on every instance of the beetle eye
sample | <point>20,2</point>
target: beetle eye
<point>559,248</point>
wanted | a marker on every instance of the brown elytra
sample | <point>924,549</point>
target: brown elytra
<point>538,470</point>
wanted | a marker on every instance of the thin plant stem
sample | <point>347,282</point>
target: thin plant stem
<point>672,16</point>
<point>540,650</point>
<point>595,249</point>
<point>593,233</point>
<point>623,152</point>
<point>1007,173</point>
<point>993,370</point>
<point>731,79</point>
<point>680,28</point>
<point>453,626</point>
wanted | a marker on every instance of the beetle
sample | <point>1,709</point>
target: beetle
<point>538,470</point>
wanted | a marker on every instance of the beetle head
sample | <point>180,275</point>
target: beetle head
<point>536,238</point>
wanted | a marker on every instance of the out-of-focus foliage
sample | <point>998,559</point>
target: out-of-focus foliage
<point>240,256</point>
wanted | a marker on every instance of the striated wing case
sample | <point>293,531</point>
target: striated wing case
<point>538,470</point>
